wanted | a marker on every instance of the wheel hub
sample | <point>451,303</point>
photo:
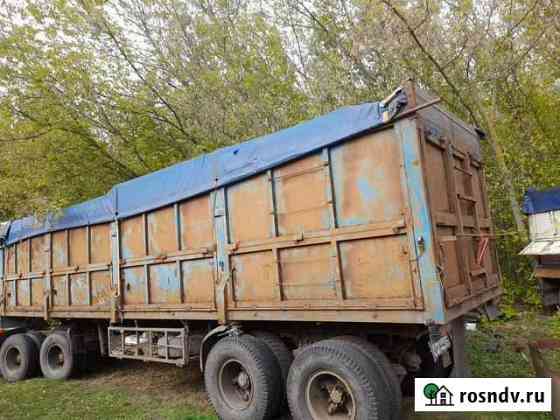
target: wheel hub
<point>13,359</point>
<point>243,380</point>
<point>235,385</point>
<point>329,396</point>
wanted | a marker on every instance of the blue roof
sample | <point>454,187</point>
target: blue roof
<point>209,171</point>
<point>541,201</point>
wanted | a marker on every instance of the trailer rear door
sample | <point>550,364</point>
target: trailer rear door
<point>466,249</point>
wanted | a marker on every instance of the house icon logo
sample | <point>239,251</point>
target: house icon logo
<point>439,396</point>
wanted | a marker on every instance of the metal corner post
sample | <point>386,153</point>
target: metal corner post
<point>116,271</point>
<point>423,245</point>
<point>222,257</point>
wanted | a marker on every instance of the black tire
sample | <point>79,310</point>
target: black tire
<point>18,358</point>
<point>378,358</point>
<point>334,361</point>
<point>284,357</point>
<point>229,360</point>
<point>57,359</point>
<point>280,350</point>
<point>37,337</point>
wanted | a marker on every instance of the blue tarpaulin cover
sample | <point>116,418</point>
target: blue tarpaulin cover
<point>541,201</point>
<point>207,172</point>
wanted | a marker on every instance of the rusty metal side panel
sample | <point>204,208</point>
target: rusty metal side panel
<point>78,246</point>
<point>162,233</point>
<point>308,273</point>
<point>60,290</point>
<point>133,237</point>
<point>249,210</point>
<point>100,244</point>
<point>197,227</point>
<point>37,291</point>
<point>10,290</point>
<point>338,221</point>
<point>39,254</point>
<point>101,288</point>
<point>300,207</point>
<point>23,292</point>
<point>11,260</point>
<point>377,269</point>
<point>165,283</point>
<point>135,290</point>
<point>79,289</point>
<point>366,174</point>
<point>253,277</point>
<point>23,254</point>
<point>59,250</point>
<point>462,223</point>
<point>198,281</point>
<point>439,184</point>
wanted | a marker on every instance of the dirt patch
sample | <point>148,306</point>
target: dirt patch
<point>164,383</point>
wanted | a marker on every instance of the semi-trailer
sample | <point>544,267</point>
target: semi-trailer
<point>325,265</point>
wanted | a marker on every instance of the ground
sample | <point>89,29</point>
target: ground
<point>135,390</point>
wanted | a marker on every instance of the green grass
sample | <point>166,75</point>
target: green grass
<point>134,390</point>
<point>116,390</point>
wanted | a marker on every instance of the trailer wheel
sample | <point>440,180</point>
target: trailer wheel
<point>243,379</point>
<point>18,358</point>
<point>378,359</point>
<point>331,379</point>
<point>284,357</point>
<point>56,358</point>
<point>37,337</point>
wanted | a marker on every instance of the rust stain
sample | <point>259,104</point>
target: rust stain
<point>101,244</point>
<point>37,291</point>
<point>376,268</point>
<point>59,250</point>
<point>78,246</point>
<point>300,208</point>
<point>132,238</point>
<point>249,209</point>
<point>197,227</point>
<point>165,286</point>
<point>101,288</point>
<point>59,290</point>
<point>162,236</point>
<point>38,254</point>
<point>78,289</point>
<point>198,281</point>
<point>367,188</point>
<point>134,285</point>
<point>308,273</point>
<point>253,279</point>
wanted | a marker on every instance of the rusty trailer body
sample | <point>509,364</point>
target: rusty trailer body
<point>383,227</point>
<point>372,221</point>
